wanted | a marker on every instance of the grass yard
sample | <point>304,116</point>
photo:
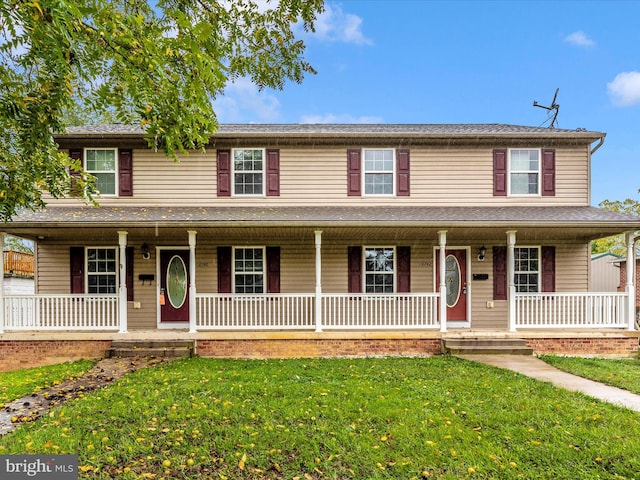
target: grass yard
<point>618,373</point>
<point>18,383</point>
<point>396,418</point>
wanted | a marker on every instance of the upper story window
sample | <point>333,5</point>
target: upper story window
<point>101,270</point>
<point>248,171</point>
<point>101,163</point>
<point>524,172</point>
<point>384,172</point>
<point>379,171</point>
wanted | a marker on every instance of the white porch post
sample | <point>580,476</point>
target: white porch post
<point>122,290</point>
<point>318,313</point>
<point>2,234</point>
<point>442,265</point>
<point>631,280</point>
<point>511,278</point>
<point>192,281</point>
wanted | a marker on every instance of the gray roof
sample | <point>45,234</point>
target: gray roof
<point>437,130</point>
<point>331,216</point>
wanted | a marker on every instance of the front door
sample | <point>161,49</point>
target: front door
<point>174,286</point>
<point>455,278</point>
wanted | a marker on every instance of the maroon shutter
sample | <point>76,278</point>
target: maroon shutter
<point>403,273</point>
<point>224,270</point>
<point>548,172</point>
<point>355,269</point>
<point>273,269</point>
<point>76,269</point>
<point>75,154</point>
<point>224,173</point>
<point>273,173</point>
<point>125,172</point>
<point>402,174</point>
<point>499,173</point>
<point>548,269</point>
<point>499,273</point>
<point>130,251</point>
<point>353,173</point>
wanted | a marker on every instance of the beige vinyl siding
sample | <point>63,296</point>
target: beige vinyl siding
<point>456,176</point>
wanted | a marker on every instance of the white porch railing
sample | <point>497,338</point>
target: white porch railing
<point>61,312</point>
<point>339,311</point>
<point>571,310</point>
<point>254,312</point>
<point>370,311</point>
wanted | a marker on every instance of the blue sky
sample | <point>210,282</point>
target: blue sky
<point>418,61</point>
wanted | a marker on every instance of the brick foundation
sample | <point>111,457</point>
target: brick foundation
<point>308,348</point>
<point>586,347</point>
<point>16,354</point>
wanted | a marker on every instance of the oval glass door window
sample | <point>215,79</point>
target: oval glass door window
<point>176,281</point>
<point>452,280</point>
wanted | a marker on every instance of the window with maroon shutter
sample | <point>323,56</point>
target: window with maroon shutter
<point>548,269</point>
<point>74,189</point>
<point>224,173</point>
<point>500,172</point>
<point>354,173</point>
<point>273,269</point>
<point>76,269</point>
<point>499,273</point>
<point>548,172</point>
<point>273,172</point>
<point>125,172</point>
<point>403,173</point>
<point>403,273</point>
<point>224,269</point>
<point>354,260</point>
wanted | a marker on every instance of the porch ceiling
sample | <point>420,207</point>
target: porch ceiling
<point>464,224</point>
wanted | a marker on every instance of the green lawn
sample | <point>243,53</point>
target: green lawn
<point>397,418</point>
<point>19,383</point>
<point>619,373</point>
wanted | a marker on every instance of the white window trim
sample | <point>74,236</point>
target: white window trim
<point>264,268</point>
<point>365,172</point>
<point>365,273</point>
<point>510,171</point>
<point>116,170</point>
<point>264,173</point>
<point>86,267</point>
<point>539,271</point>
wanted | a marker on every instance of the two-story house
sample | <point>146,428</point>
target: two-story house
<point>294,240</point>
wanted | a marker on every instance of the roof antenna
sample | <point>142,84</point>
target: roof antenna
<point>552,109</point>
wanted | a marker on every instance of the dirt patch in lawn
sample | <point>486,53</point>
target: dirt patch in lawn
<point>32,407</point>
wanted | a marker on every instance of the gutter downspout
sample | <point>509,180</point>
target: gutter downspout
<point>595,149</point>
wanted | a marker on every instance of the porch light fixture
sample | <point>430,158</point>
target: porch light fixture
<point>481,253</point>
<point>145,251</point>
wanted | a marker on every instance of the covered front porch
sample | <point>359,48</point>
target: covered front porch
<point>324,310</point>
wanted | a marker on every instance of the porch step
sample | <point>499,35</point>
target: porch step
<point>479,346</point>
<point>151,348</point>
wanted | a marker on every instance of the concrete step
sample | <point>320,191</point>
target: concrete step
<point>151,348</point>
<point>479,346</point>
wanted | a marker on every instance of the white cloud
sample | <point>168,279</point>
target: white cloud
<point>624,90</point>
<point>580,39</point>
<point>242,102</point>
<point>334,25</point>
<point>341,118</point>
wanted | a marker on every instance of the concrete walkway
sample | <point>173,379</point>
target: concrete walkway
<point>536,368</point>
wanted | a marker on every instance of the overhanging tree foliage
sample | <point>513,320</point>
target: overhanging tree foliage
<point>616,244</point>
<point>159,64</point>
